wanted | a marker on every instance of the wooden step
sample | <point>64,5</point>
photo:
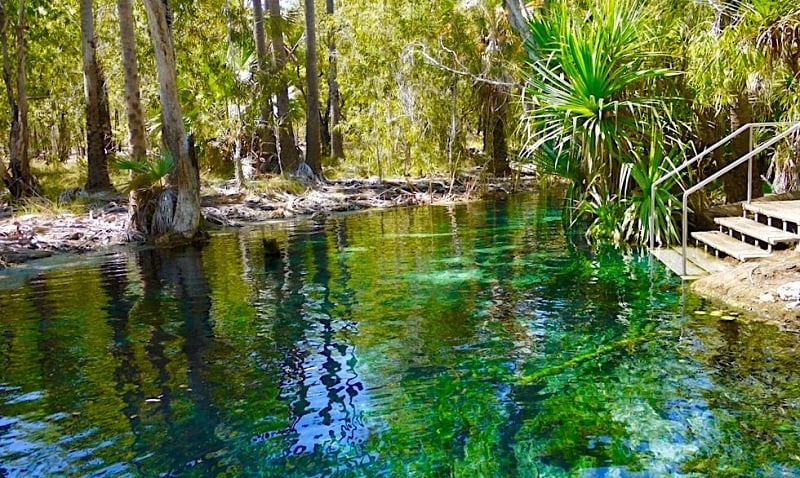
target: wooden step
<point>704,260</point>
<point>730,246</point>
<point>787,211</point>
<point>756,230</point>
<point>674,262</point>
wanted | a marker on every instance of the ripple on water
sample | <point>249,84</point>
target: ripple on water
<point>387,344</point>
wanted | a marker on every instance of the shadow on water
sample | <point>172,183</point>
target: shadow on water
<point>469,340</point>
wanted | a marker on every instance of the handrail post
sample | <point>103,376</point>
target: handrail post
<point>750,169</point>
<point>794,126</point>
<point>685,232</point>
<point>652,216</point>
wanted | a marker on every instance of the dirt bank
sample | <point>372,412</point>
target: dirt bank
<point>104,223</point>
<point>759,287</point>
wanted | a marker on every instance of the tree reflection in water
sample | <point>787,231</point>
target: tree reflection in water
<point>320,380</point>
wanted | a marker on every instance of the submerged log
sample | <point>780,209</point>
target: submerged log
<point>629,343</point>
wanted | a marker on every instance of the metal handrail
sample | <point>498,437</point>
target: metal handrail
<point>747,157</point>
<point>698,157</point>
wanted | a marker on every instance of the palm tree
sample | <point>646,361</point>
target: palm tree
<point>334,99</point>
<point>138,198</point>
<point>779,38</point>
<point>266,134</point>
<point>288,146</point>
<point>590,112</point>
<point>133,102</point>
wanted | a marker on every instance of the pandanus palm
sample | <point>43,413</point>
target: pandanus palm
<point>591,99</point>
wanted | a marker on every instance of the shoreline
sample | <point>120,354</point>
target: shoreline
<point>104,225</point>
<point>753,287</point>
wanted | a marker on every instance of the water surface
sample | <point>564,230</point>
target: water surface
<point>472,340</point>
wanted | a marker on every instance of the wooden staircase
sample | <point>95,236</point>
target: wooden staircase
<point>764,226</point>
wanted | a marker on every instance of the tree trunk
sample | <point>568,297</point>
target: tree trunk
<point>139,212</point>
<point>735,182</point>
<point>495,115</point>
<point>133,102</point>
<point>17,177</point>
<point>313,152</point>
<point>98,137</point>
<point>787,169</point>
<point>288,148</point>
<point>500,166</point>
<point>181,221</point>
<point>335,101</point>
<point>267,147</point>
<point>238,156</point>
<point>63,141</point>
<point>495,98</point>
<point>518,17</point>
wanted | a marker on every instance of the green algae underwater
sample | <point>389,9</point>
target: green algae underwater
<point>472,340</point>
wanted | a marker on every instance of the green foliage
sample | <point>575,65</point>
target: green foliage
<point>146,173</point>
<point>605,212</point>
<point>645,172</point>
<point>594,97</point>
<point>585,88</point>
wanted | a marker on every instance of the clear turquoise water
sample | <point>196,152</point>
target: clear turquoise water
<point>474,340</point>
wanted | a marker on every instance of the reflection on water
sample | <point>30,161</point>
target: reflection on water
<point>391,343</point>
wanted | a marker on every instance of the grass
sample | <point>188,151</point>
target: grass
<point>275,185</point>
<point>57,178</point>
<point>42,206</point>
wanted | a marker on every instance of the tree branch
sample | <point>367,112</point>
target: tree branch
<point>422,49</point>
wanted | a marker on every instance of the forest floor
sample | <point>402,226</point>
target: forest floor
<point>768,287</point>
<point>90,222</point>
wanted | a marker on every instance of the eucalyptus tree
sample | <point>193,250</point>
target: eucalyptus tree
<point>17,175</point>
<point>399,108</point>
<point>98,119</point>
<point>288,146</point>
<point>313,127</point>
<point>178,217</point>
